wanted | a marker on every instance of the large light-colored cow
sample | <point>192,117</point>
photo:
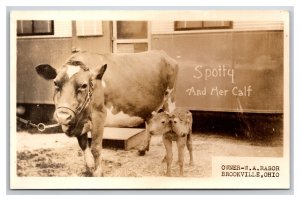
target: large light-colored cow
<point>114,89</point>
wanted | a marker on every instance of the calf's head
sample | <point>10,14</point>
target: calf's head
<point>181,122</point>
<point>159,124</point>
<point>74,85</point>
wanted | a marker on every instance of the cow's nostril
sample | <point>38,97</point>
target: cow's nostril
<point>64,117</point>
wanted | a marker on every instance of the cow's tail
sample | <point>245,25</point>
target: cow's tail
<point>170,99</point>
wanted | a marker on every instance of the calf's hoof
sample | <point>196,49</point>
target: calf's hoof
<point>98,173</point>
<point>88,174</point>
<point>89,171</point>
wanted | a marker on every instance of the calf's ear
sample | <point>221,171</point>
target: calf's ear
<point>98,72</point>
<point>46,71</point>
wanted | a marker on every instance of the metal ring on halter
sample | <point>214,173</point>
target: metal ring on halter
<point>41,127</point>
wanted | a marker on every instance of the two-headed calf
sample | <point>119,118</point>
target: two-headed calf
<point>176,126</point>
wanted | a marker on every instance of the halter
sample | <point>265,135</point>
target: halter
<point>85,103</point>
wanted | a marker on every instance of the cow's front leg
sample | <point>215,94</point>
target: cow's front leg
<point>88,156</point>
<point>96,146</point>
<point>146,142</point>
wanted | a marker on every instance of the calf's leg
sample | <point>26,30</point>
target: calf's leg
<point>190,148</point>
<point>181,142</point>
<point>169,154</point>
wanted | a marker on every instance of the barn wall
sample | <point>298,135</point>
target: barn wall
<point>30,52</point>
<point>256,57</point>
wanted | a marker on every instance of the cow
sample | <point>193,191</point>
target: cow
<point>175,126</point>
<point>96,90</point>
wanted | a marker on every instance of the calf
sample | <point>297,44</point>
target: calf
<point>176,126</point>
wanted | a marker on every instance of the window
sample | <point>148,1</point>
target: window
<point>200,25</point>
<point>131,36</point>
<point>132,29</point>
<point>35,27</point>
<point>89,28</point>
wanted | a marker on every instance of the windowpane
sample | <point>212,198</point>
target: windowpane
<point>184,25</point>
<point>35,27</point>
<point>199,25</point>
<point>42,26</point>
<point>132,29</point>
<point>24,27</point>
<point>89,28</point>
<point>132,47</point>
<point>140,47</point>
<point>216,24</point>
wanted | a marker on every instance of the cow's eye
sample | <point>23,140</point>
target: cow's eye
<point>163,122</point>
<point>84,86</point>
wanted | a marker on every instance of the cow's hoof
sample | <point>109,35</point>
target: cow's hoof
<point>142,152</point>
<point>168,174</point>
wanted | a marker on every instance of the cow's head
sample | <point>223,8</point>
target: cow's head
<point>74,84</point>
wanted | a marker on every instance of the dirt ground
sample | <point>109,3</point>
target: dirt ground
<point>59,155</point>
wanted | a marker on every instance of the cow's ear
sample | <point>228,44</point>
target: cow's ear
<point>46,71</point>
<point>98,72</point>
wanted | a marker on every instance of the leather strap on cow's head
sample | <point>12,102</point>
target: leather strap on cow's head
<point>87,100</point>
<point>85,103</point>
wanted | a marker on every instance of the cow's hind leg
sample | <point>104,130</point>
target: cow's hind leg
<point>88,156</point>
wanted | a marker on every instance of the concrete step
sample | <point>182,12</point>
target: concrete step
<point>122,138</point>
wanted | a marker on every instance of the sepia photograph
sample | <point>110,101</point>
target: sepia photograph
<point>149,99</point>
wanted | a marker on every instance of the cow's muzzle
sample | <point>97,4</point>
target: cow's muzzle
<point>66,118</point>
